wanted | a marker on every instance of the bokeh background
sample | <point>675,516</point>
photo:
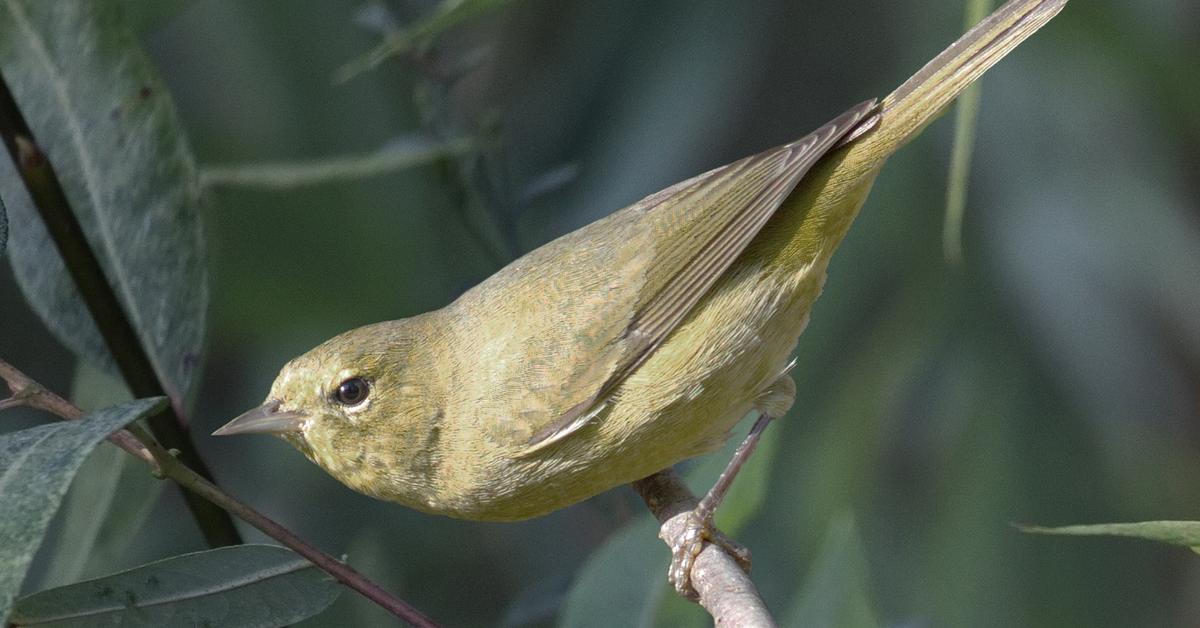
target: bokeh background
<point>1052,377</point>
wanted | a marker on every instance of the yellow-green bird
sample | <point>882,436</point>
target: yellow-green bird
<point>621,348</point>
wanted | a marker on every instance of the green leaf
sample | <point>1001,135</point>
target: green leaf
<point>108,501</point>
<point>623,581</point>
<point>966,116</point>
<point>1186,533</point>
<point>105,509</point>
<point>36,466</point>
<point>82,511</point>
<point>102,115</point>
<point>447,15</point>
<point>244,585</point>
<point>835,591</point>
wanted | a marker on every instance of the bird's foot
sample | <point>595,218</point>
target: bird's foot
<point>697,530</point>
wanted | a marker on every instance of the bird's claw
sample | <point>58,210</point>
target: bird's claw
<point>687,545</point>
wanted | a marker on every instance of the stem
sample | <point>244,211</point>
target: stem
<point>965,116</point>
<point>120,338</point>
<point>287,175</point>
<point>141,445</point>
<point>26,392</point>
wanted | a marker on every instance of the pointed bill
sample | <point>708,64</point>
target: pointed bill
<point>265,419</point>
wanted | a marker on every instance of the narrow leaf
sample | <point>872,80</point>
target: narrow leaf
<point>36,466</point>
<point>966,116</point>
<point>1186,533</point>
<point>239,586</point>
<point>102,115</point>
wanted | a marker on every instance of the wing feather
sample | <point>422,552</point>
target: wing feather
<point>705,224</point>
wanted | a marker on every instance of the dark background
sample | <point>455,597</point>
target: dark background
<point>1053,377</point>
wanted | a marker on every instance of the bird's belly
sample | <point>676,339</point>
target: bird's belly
<point>680,403</point>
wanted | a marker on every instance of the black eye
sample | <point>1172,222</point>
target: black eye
<point>352,391</point>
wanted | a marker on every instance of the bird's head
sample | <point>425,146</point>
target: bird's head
<point>359,405</point>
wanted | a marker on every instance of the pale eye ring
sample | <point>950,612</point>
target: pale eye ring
<point>352,391</point>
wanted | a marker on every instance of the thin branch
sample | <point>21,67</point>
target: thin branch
<point>287,175</point>
<point>26,392</point>
<point>726,592</point>
<point>34,395</point>
<point>93,286</point>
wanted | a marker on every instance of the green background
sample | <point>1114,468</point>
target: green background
<point>1052,378</point>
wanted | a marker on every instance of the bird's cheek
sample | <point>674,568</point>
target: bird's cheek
<point>317,440</point>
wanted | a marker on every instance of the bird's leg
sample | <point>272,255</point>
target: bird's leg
<point>773,401</point>
<point>700,527</point>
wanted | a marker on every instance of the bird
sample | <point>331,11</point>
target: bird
<point>624,347</point>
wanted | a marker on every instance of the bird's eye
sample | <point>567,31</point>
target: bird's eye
<point>352,391</point>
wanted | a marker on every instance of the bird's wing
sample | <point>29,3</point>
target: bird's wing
<point>736,202</point>
<point>644,268</point>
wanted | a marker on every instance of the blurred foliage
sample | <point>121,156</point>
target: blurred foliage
<point>1053,376</point>
<point>444,16</point>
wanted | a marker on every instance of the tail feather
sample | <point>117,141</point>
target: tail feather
<point>924,96</point>
<point>815,218</point>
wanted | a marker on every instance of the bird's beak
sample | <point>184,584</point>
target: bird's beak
<point>265,419</point>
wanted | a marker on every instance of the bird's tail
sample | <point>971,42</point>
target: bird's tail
<point>816,216</point>
<point>924,96</point>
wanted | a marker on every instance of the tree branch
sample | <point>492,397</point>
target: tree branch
<point>120,338</point>
<point>26,392</point>
<point>726,592</point>
<point>137,442</point>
